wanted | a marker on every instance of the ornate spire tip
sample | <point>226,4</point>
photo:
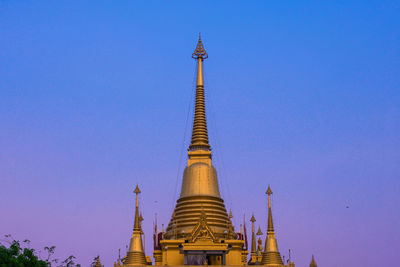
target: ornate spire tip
<point>199,52</point>
<point>137,190</point>
<point>259,231</point>
<point>313,263</point>
<point>269,191</point>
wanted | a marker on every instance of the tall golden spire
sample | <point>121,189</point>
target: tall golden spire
<point>135,255</point>
<point>200,189</point>
<point>199,133</point>
<point>271,256</point>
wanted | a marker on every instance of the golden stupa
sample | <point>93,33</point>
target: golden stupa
<point>200,231</point>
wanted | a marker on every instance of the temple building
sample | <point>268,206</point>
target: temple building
<point>200,231</point>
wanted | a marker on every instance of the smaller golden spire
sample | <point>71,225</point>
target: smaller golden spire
<point>270,222</point>
<point>230,214</point>
<point>259,232</point>
<point>97,263</point>
<point>313,263</point>
<point>253,252</point>
<point>253,237</point>
<point>137,217</point>
<point>136,255</point>
<point>271,254</point>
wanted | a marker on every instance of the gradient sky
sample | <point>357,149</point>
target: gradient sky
<point>96,96</point>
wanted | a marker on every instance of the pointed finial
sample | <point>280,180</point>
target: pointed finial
<point>313,263</point>
<point>97,263</point>
<point>141,217</point>
<point>230,214</point>
<point>252,218</point>
<point>269,191</point>
<point>259,231</point>
<point>137,190</point>
<point>199,52</point>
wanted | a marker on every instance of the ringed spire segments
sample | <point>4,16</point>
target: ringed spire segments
<point>199,131</point>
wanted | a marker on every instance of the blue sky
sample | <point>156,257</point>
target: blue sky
<point>97,96</point>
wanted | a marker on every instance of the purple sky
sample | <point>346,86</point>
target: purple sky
<point>94,98</point>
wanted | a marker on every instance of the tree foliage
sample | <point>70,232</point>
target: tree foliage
<point>17,256</point>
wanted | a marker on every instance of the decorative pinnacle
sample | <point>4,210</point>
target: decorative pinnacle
<point>136,225</point>
<point>270,222</point>
<point>269,191</point>
<point>137,190</point>
<point>200,52</point>
<point>97,263</point>
<point>313,263</point>
<point>230,214</point>
<point>259,231</point>
<point>252,218</point>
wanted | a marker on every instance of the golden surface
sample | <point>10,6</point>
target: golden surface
<point>271,256</point>
<point>200,229</point>
<point>253,253</point>
<point>313,263</point>
<point>135,255</point>
<point>200,179</point>
<point>97,263</point>
<point>199,133</point>
<point>200,190</point>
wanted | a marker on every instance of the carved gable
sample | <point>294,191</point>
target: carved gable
<point>202,231</point>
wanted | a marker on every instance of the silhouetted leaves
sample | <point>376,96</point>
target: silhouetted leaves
<point>16,256</point>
